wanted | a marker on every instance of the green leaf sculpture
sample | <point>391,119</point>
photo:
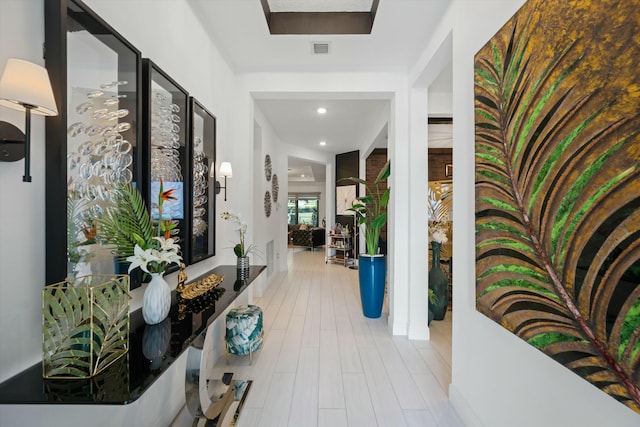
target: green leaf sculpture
<point>85,325</point>
<point>558,200</point>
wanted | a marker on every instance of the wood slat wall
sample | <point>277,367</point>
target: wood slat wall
<point>438,159</point>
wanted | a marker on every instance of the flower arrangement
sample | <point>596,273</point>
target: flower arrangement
<point>130,228</point>
<point>438,234</point>
<point>239,249</point>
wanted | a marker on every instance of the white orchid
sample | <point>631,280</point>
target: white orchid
<point>239,249</point>
<point>156,258</point>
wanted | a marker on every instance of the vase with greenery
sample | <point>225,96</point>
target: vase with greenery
<point>438,282</point>
<point>439,205</point>
<point>371,215</point>
<point>129,227</point>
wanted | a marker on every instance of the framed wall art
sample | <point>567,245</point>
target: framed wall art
<point>165,112</point>
<point>203,160</point>
<point>558,187</point>
<point>93,144</point>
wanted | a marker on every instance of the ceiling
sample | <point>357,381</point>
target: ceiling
<point>400,32</point>
<point>320,5</point>
<point>341,127</point>
<point>302,171</point>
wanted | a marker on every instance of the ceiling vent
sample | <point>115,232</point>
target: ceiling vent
<point>320,48</point>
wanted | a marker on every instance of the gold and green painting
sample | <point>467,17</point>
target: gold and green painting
<point>557,152</point>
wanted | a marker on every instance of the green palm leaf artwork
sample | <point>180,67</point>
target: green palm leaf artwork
<point>85,325</point>
<point>558,187</point>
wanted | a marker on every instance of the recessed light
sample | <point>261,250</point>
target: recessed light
<point>302,176</point>
<point>323,142</point>
<point>321,110</point>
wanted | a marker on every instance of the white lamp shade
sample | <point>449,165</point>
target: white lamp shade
<point>23,83</point>
<point>225,169</point>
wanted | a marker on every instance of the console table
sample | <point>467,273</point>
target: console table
<point>134,376</point>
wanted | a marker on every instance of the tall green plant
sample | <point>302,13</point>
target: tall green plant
<point>370,211</point>
<point>557,211</point>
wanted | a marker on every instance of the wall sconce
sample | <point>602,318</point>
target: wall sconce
<point>227,172</point>
<point>24,86</point>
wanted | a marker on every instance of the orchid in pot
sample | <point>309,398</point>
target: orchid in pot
<point>241,250</point>
<point>129,227</point>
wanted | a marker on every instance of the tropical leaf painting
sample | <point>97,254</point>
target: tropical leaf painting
<point>85,325</point>
<point>557,103</point>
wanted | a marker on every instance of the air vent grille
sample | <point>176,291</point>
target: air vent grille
<point>320,48</point>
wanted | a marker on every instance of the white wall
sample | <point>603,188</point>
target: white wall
<point>22,215</point>
<point>275,227</point>
<point>498,379</point>
<point>440,104</point>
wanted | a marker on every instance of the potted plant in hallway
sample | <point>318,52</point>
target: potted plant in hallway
<point>241,250</point>
<point>371,216</point>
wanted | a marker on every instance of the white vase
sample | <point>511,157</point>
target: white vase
<point>157,300</point>
<point>155,342</point>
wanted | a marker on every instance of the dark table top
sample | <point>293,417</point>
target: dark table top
<point>128,378</point>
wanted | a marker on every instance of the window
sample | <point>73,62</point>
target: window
<point>303,209</point>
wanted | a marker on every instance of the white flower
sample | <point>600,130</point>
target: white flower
<point>240,249</point>
<point>439,235</point>
<point>155,260</point>
<point>167,244</point>
<point>168,257</point>
<point>140,258</point>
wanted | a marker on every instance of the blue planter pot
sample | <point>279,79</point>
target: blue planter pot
<point>372,272</point>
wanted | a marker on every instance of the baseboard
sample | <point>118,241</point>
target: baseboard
<point>463,408</point>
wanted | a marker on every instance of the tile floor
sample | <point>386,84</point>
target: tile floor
<point>324,364</point>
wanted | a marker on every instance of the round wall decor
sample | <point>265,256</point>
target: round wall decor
<point>267,167</point>
<point>275,188</point>
<point>267,204</point>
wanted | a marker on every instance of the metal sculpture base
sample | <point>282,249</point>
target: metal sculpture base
<point>218,402</point>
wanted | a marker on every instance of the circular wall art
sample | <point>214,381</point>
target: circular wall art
<point>275,188</point>
<point>267,204</point>
<point>267,167</point>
